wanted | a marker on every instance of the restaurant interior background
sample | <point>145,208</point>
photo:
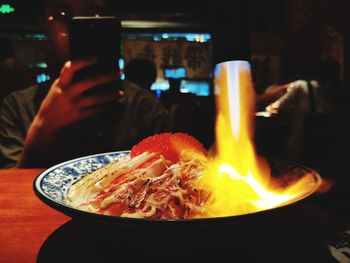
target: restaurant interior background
<point>278,37</point>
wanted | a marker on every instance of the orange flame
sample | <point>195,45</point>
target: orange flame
<point>238,179</point>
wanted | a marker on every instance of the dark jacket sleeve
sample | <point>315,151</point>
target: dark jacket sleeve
<point>11,133</point>
<point>153,117</point>
<point>147,111</point>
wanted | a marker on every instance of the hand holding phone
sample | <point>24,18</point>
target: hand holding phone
<point>100,38</point>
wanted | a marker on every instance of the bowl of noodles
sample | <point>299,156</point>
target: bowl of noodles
<point>151,191</point>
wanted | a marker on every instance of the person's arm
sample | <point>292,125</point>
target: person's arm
<point>64,106</point>
<point>11,132</point>
<point>272,93</point>
<point>295,99</point>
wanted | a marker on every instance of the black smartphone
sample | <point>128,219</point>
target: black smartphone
<point>98,37</point>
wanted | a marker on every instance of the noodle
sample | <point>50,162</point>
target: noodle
<point>145,186</point>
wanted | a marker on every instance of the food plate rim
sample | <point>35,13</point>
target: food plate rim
<point>76,213</point>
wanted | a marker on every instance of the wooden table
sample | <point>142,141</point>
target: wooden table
<point>25,221</point>
<point>31,231</point>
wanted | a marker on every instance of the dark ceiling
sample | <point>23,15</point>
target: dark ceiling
<point>253,15</point>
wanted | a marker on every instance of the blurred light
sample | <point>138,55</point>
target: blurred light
<point>158,93</point>
<point>175,73</point>
<point>184,90</point>
<point>191,37</point>
<point>6,9</point>
<point>157,37</point>
<point>42,77</point>
<point>160,84</point>
<point>200,38</point>
<point>121,63</point>
<point>38,65</point>
<point>199,88</point>
<point>36,36</point>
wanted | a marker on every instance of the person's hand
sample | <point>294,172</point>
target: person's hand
<point>291,101</point>
<point>272,93</point>
<point>66,104</point>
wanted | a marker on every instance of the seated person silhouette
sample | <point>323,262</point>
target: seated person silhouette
<point>58,120</point>
<point>141,71</point>
<point>308,98</point>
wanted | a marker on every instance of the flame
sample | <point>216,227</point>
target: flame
<point>237,177</point>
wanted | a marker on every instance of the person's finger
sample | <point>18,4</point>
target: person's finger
<point>284,87</point>
<point>69,69</point>
<point>96,99</point>
<point>78,88</point>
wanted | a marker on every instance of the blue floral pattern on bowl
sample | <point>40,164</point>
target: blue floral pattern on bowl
<point>53,183</point>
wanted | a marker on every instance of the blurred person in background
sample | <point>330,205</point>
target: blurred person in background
<point>306,99</point>
<point>316,93</point>
<point>7,66</point>
<point>270,94</point>
<point>141,71</point>
<point>57,121</point>
<point>7,56</point>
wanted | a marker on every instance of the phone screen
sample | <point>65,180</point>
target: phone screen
<point>98,37</point>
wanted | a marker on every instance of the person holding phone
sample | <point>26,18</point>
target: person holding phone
<point>60,120</point>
